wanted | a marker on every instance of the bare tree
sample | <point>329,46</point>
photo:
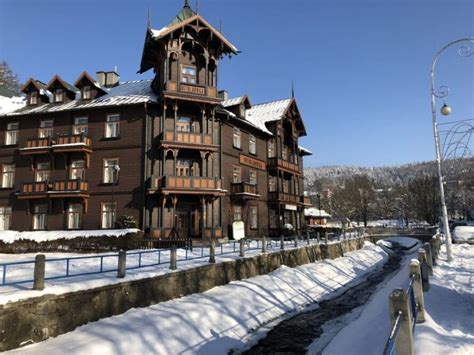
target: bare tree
<point>8,78</point>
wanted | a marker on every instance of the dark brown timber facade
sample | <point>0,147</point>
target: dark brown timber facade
<point>173,152</point>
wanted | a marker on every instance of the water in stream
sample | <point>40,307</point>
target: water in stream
<point>294,335</point>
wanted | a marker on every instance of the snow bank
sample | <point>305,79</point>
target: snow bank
<point>463,234</point>
<point>449,326</point>
<point>216,321</point>
<point>9,104</point>
<point>404,242</point>
<point>43,236</point>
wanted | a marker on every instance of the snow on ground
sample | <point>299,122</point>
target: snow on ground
<point>462,234</point>
<point>220,319</point>
<point>10,236</point>
<point>449,328</point>
<point>87,263</point>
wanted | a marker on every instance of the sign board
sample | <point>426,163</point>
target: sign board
<point>238,230</point>
<point>291,207</point>
<point>254,163</point>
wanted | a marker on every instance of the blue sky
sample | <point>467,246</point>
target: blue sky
<point>360,67</point>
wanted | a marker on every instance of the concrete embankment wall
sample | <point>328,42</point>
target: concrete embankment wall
<point>39,318</point>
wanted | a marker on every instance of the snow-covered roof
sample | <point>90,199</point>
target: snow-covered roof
<point>9,104</point>
<point>269,111</point>
<point>314,212</point>
<point>305,151</point>
<point>234,101</point>
<point>127,93</point>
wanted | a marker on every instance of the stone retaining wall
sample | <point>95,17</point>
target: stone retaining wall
<point>39,318</point>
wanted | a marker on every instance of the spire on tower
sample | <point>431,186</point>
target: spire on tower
<point>186,4</point>
<point>149,16</point>
<point>292,89</point>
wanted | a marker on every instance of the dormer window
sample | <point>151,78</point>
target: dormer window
<point>188,74</point>
<point>242,111</point>
<point>59,95</point>
<point>86,92</point>
<point>33,98</point>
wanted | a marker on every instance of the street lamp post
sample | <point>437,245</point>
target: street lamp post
<point>442,92</point>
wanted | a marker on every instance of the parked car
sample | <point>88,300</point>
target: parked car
<point>463,234</point>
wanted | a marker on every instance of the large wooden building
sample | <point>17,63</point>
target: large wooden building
<point>174,153</point>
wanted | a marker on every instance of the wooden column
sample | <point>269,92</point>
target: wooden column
<point>175,107</point>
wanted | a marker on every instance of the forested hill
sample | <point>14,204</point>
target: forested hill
<point>388,176</point>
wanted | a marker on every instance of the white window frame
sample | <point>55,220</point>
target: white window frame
<point>272,183</point>
<point>236,174</point>
<point>77,170</point>
<point>253,179</point>
<point>33,99</point>
<point>112,126</point>
<point>8,176</point>
<point>252,144</point>
<point>253,217</point>
<point>46,128</point>
<point>188,74</point>
<point>86,93</point>
<point>108,215</point>
<point>237,213</point>
<point>237,138</point>
<point>110,176</point>
<point>42,171</point>
<point>11,134</point>
<point>271,149</point>
<point>74,216</point>
<point>59,95</point>
<point>81,125</point>
<point>40,217</point>
<point>5,218</point>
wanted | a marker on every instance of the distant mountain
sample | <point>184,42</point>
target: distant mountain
<point>317,179</point>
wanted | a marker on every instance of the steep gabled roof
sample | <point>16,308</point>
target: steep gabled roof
<point>184,14</point>
<point>85,75</point>
<point>237,101</point>
<point>63,83</point>
<point>39,85</point>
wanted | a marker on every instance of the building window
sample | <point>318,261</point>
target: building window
<point>237,175</point>
<point>273,220</point>
<point>86,92</point>
<point>272,183</point>
<point>242,111</point>
<point>33,98</point>
<point>42,172</point>
<point>236,139</point>
<point>188,74</point>
<point>184,167</point>
<point>252,144</point>
<point>8,175</point>
<point>253,177</point>
<point>253,217</point>
<point>40,216</point>
<point>112,126</point>
<point>11,134</point>
<point>297,187</point>
<point>59,95</point>
<point>286,186</point>
<point>74,216</point>
<point>46,129</point>
<point>80,125</point>
<point>284,153</point>
<point>237,215</point>
<point>184,124</point>
<point>271,148</point>
<point>108,215</point>
<point>111,170</point>
<point>78,170</point>
<point>5,218</point>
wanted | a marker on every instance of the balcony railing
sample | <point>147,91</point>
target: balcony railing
<point>188,137</point>
<point>185,183</point>
<point>60,143</point>
<point>73,139</point>
<point>38,143</point>
<point>280,163</point>
<point>243,188</point>
<point>52,188</point>
<point>284,197</point>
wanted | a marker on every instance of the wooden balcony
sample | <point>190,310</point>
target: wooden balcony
<point>54,189</point>
<point>244,189</point>
<point>283,197</point>
<point>188,138</point>
<point>284,165</point>
<point>190,89</point>
<point>306,201</point>
<point>58,144</point>
<point>186,184</point>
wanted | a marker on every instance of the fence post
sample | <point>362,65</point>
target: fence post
<point>398,302</point>
<point>318,237</point>
<point>173,258</point>
<point>241,247</point>
<point>40,264</point>
<point>434,249</point>
<point>212,252</point>
<point>264,244</point>
<point>122,263</point>
<point>418,289</point>
<point>296,240</point>
<point>325,235</point>
<point>282,242</point>
<point>424,269</point>
<point>429,258</point>
<point>308,241</point>
<point>343,233</point>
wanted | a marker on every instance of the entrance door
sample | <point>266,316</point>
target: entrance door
<point>183,223</point>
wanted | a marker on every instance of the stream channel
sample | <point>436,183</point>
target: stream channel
<point>295,334</point>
